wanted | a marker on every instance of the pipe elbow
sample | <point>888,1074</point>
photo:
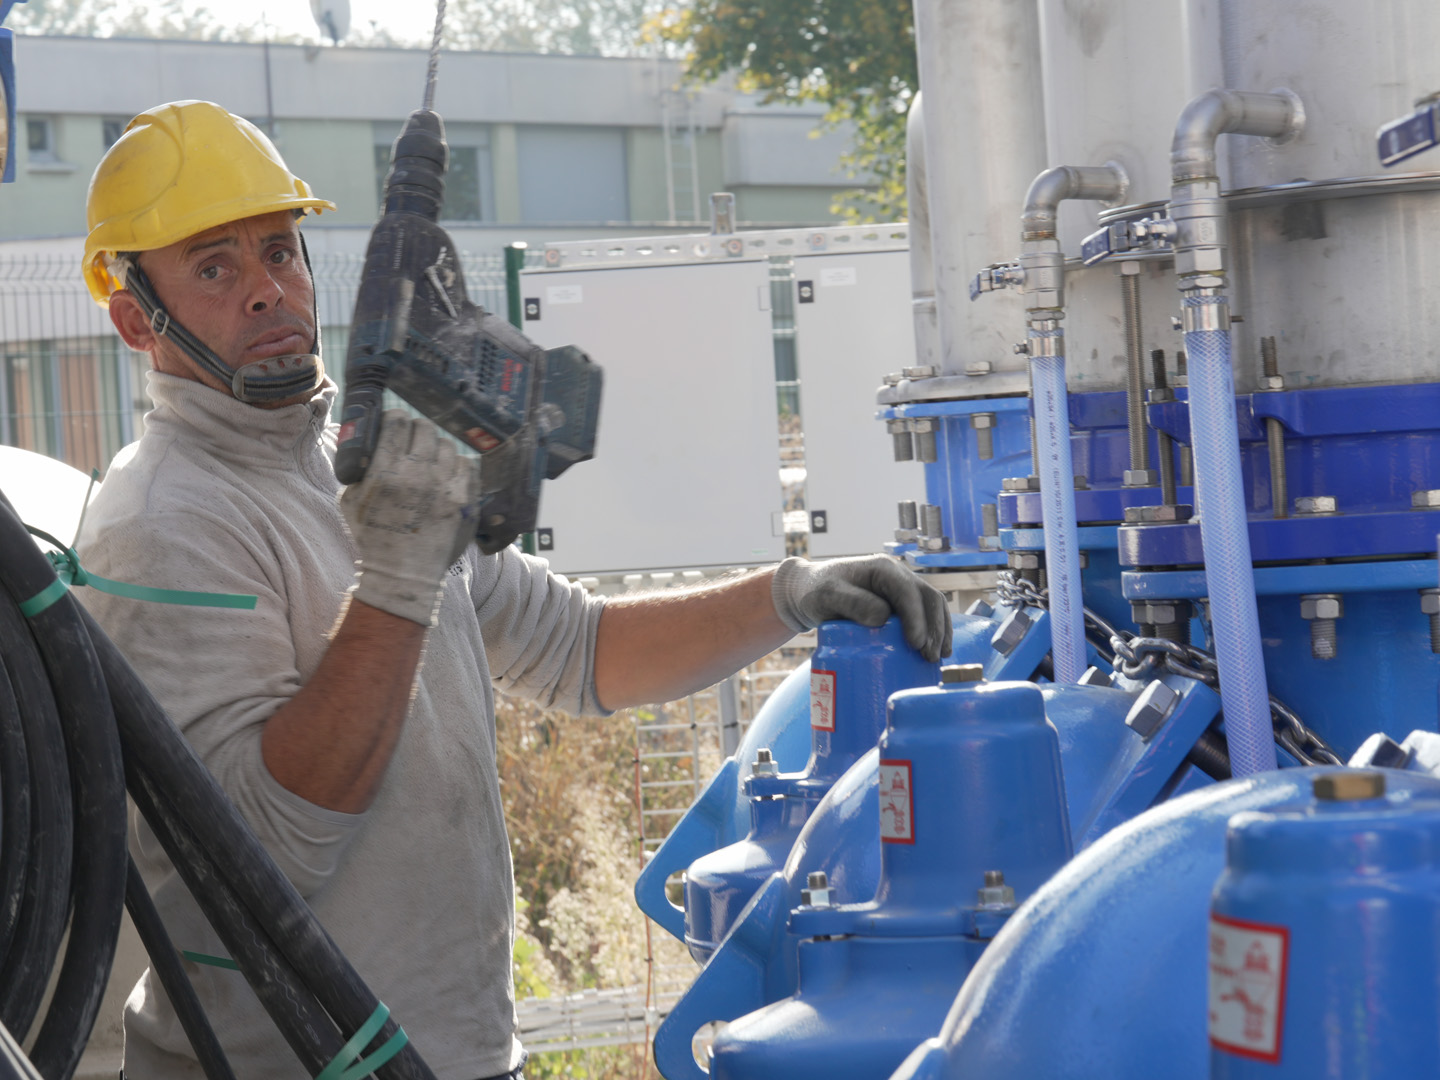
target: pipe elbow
<point>1054,186</point>
<point>1216,112</point>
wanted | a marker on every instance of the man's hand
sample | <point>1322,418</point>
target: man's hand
<point>866,590</point>
<point>411,517</point>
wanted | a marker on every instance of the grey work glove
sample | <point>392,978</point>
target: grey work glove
<point>867,590</point>
<point>411,517</point>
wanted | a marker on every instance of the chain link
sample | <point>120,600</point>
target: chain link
<point>1139,657</point>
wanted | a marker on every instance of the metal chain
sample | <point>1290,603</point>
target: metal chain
<point>1138,657</point>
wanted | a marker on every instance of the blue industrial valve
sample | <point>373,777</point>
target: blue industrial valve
<point>1124,928</point>
<point>1316,928</point>
<point>972,817</point>
<point>853,671</point>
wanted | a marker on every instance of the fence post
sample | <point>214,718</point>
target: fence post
<point>729,691</point>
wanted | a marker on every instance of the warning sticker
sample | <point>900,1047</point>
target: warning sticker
<point>897,803</point>
<point>1247,987</point>
<point>822,700</point>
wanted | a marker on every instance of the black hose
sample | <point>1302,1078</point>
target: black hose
<point>77,726</point>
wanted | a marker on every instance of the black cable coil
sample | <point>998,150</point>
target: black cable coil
<point>77,728</point>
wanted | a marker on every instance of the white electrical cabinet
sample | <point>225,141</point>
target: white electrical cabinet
<point>853,325</point>
<point>685,473</point>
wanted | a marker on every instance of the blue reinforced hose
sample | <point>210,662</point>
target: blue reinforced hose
<point>1225,539</point>
<point>1057,500</point>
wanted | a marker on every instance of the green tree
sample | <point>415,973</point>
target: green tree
<point>856,56</point>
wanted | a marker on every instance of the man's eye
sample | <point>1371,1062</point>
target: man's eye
<point>210,273</point>
<point>282,256</point>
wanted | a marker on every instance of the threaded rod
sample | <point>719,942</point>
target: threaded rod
<point>1134,372</point>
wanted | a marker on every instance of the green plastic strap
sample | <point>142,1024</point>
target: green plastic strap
<point>69,572</point>
<point>213,961</point>
<point>348,1065</point>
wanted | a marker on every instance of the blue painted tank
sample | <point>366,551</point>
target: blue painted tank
<point>1315,928</point>
<point>1103,972</point>
<point>955,766</point>
<point>853,671</point>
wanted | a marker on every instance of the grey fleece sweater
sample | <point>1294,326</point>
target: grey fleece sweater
<point>221,497</point>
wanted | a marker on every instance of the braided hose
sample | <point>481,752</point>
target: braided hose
<point>1057,500</point>
<point>1225,539</point>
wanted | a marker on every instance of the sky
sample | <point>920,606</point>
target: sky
<point>413,20</point>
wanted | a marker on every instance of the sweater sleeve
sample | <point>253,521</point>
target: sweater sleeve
<point>219,673</point>
<point>539,631</point>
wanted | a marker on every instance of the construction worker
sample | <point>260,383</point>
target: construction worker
<point>369,776</point>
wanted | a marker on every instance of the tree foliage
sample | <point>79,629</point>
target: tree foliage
<point>856,56</point>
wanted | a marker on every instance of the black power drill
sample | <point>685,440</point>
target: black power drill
<point>530,412</point>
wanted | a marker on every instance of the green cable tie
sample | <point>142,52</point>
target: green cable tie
<point>69,572</point>
<point>349,1065</point>
<point>213,961</point>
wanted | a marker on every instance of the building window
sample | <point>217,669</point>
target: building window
<point>468,195</point>
<point>111,128</point>
<point>573,174</point>
<point>40,138</point>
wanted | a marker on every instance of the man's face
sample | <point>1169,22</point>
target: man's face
<point>242,288</point>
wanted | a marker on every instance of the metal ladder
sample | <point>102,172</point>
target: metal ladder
<point>679,125</point>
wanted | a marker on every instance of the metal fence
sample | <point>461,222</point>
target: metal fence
<point>72,390</point>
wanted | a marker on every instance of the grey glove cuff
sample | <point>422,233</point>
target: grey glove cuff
<point>413,598</point>
<point>790,583</point>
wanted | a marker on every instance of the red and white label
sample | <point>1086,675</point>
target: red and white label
<point>1247,987</point>
<point>822,700</point>
<point>897,803</point>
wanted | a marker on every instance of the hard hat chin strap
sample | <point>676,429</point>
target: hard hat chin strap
<point>262,382</point>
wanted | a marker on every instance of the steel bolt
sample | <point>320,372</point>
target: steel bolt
<point>1317,504</point>
<point>818,892</point>
<point>962,673</point>
<point>1349,786</point>
<point>1094,677</point>
<point>984,425</point>
<point>1141,477</point>
<point>1154,704</point>
<point>1430,605</point>
<point>904,443</point>
<point>765,764</point>
<point>925,446</point>
<point>1011,633</point>
<point>1160,514</point>
<point>989,527</point>
<point>1022,348</point>
<point>995,893</point>
<point>1425,500</point>
<point>909,522</point>
<point>1321,610</point>
<point>981,608</point>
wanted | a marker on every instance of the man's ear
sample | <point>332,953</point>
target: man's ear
<point>130,322</point>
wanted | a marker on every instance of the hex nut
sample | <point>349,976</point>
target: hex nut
<point>1011,632</point>
<point>764,763</point>
<point>1161,394</point>
<point>1425,500</point>
<point>982,420</point>
<point>1094,677</point>
<point>1020,483</point>
<point>980,608</point>
<point>989,543</point>
<point>925,372</point>
<point>1317,504</point>
<point>1322,606</point>
<point>922,426</point>
<point>1350,786</point>
<point>998,895</point>
<point>1158,612</point>
<point>962,673</point>
<point>1430,601</point>
<point>1024,560</point>
<point>978,367</point>
<point>1272,382</point>
<point>1141,478</point>
<point>934,543</point>
<point>906,536</point>
<point>817,892</point>
<point>1158,514</point>
<point>1154,704</point>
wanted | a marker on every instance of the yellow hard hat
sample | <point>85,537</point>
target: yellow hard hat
<point>178,170</point>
